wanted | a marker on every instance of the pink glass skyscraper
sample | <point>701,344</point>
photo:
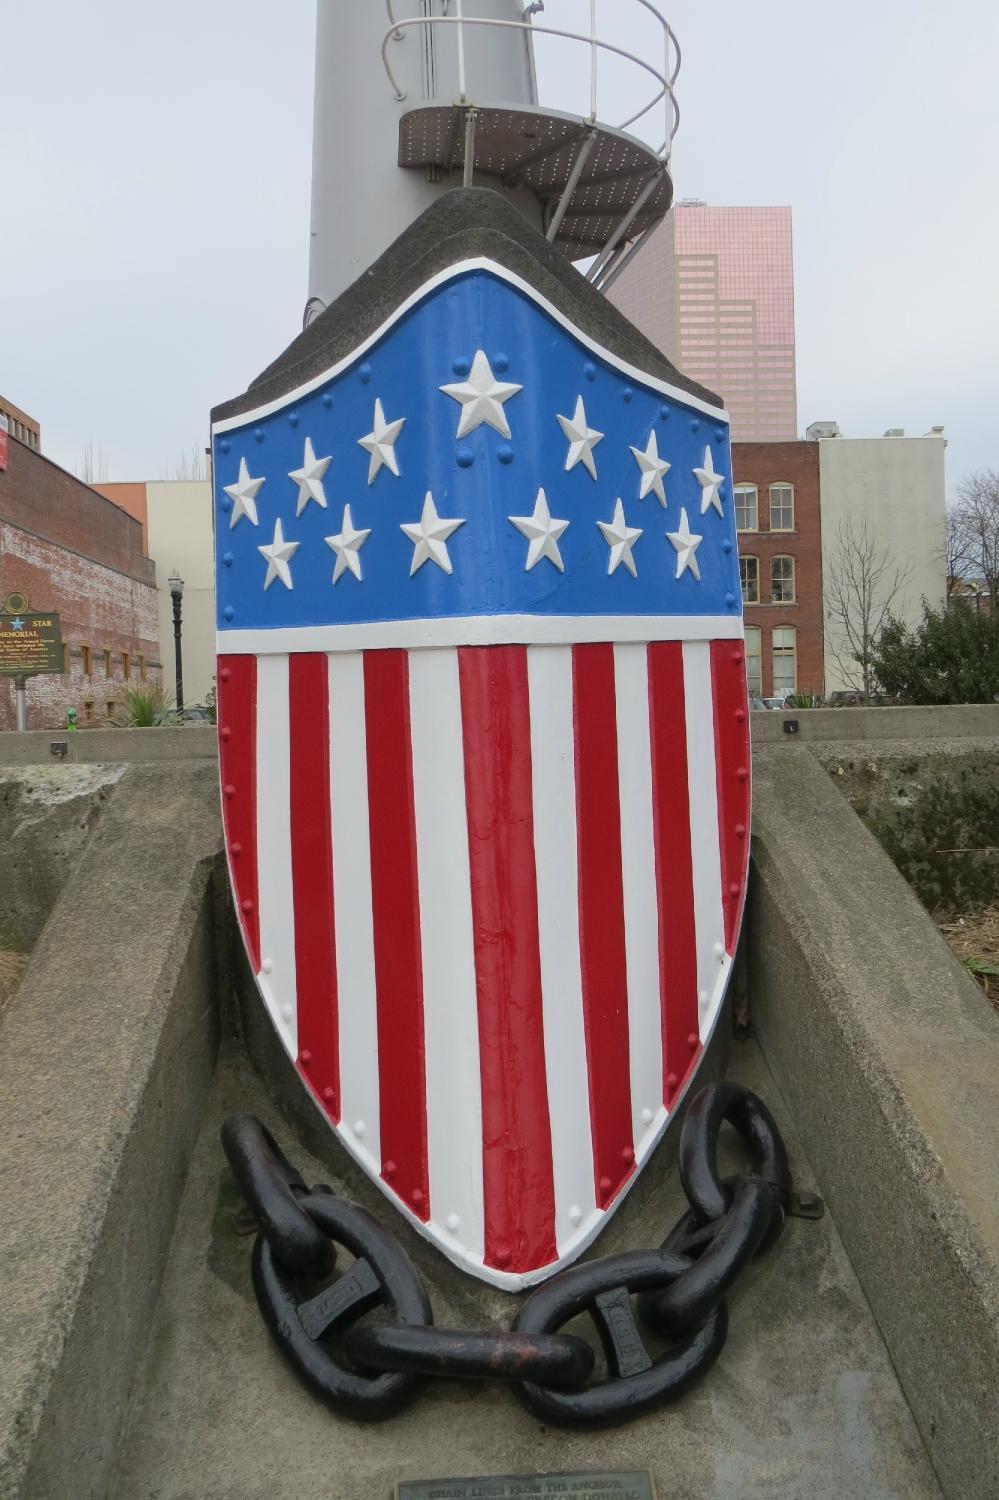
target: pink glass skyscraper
<point>714,289</point>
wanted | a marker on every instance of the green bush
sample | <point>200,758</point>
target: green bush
<point>144,706</point>
<point>951,657</point>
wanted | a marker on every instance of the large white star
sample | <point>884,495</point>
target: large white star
<point>243,495</point>
<point>380,442</point>
<point>685,544</point>
<point>347,545</point>
<point>710,483</point>
<point>309,478</point>
<point>582,439</point>
<point>652,468</point>
<point>278,556</point>
<point>481,397</point>
<point>543,532</point>
<point>620,538</point>
<point>429,536</point>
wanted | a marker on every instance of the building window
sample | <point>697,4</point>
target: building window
<point>142,667</point>
<point>746,508</point>
<point>754,661</point>
<point>126,666</point>
<point>749,574</point>
<point>65,656</point>
<point>88,710</point>
<point>111,708</point>
<point>785,660</point>
<point>107,662</point>
<point>782,580</point>
<point>88,661</point>
<point>782,507</point>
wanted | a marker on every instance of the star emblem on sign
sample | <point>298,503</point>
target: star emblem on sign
<point>653,470</point>
<point>481,398</point>
<point>347,546</point>
<point>582,439</point>
<point>309,478</point>
<point>710,483</point>
<point>243,495</point>
<point>685,544</point>
<point>620,538</point>
<point>380,443</point>
<point>278,555</point>
<point>429,537</point>
<point>542,531</point>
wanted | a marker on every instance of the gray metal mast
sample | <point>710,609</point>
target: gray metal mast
<point>414,97</point>
<point>361,200</point>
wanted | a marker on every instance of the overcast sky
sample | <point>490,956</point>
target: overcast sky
<point>155,209</point>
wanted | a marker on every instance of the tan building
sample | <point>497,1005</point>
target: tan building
<point>714,289</point>
<point>176,517</point>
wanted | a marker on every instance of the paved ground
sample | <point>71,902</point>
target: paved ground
<point>802,1403</point>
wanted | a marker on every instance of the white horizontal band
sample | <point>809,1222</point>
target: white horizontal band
<point>480,630</point>
<point>480,263</point>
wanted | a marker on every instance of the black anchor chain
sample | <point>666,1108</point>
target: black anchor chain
<point>373,1370</point>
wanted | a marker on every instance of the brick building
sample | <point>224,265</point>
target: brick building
<point>70,550</point>
<point>776,497</point>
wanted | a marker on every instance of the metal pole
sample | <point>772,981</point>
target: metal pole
<point>469,166</point>
<point>611,274</point>
<point>582,157</point>
<point>593,59</point>
<point>461,52</point>
<point>178,654</point>
<point>594,272</point>
<point>21,702</point>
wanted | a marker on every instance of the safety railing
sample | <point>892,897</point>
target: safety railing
<point>664,78</point>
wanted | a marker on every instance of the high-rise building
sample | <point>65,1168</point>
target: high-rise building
<point>714,289</point>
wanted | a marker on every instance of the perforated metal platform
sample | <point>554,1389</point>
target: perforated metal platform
<point>540,149</point>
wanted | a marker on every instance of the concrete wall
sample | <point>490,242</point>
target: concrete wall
<point>897,486</point>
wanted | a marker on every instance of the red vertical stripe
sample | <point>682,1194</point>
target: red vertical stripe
<point>733,770</point>
<point>516,1132</point>
<point>312,877</point>
<point>674,865</point>
<point>237,716</point>
<point>396,911</point>
<point>603,957</point>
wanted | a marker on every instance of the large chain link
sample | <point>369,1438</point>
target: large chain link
<point>372,1370</point>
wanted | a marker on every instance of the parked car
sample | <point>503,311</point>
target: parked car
<point>846,698</point>
<point>197,714</point>
<point>756,703</point>
<point>775,703</point>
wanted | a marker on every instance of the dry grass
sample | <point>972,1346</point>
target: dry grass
<point>975,941</point>
<point>11,965</point>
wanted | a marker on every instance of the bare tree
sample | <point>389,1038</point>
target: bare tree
<point>862,582</point>
<point>190,465</point>
<point>973,532</point>
<point>93,466</point>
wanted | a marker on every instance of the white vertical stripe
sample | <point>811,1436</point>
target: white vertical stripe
<point>450,1003</point>
<point>277,919</point>
<point>549,672</point>
<point>353,923</point>
<point>709,920</point>
<point>641,912</point>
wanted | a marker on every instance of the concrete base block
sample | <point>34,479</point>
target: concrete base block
<point>888,1055</point>
<point>106,1057</point>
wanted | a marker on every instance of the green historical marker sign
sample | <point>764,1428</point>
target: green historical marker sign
<point>604,1485</point>
<point>30,643</point>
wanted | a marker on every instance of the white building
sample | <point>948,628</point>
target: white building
<point>893,485</point>
<point>177,516</point>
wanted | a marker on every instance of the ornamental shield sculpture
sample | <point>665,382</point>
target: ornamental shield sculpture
<point>484,745</point>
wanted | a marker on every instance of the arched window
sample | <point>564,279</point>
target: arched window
<point>749,573</point>
<point>782,580</point>
<point>746,508</point>
<point>784,642</point>
<point>782,507</point>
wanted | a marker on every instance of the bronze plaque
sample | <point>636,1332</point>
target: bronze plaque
<point>599,1485</point>
<point>30,643</point>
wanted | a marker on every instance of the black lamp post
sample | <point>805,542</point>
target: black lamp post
<point>176,594</point>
